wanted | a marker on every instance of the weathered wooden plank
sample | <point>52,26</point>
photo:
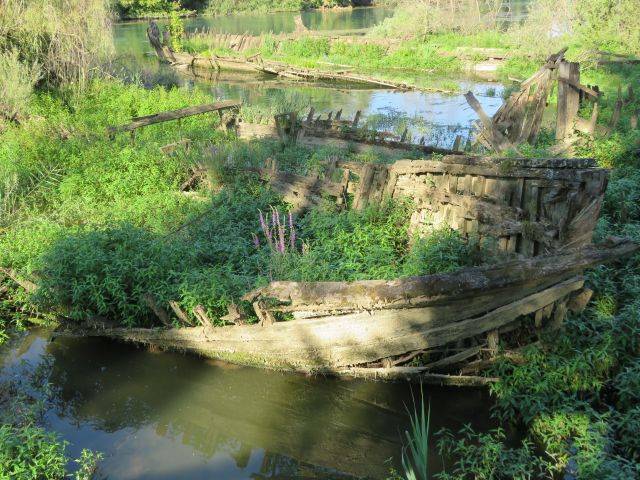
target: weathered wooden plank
<point>338,341</point>
<point>421,290</point>
<point>432,166</point>
<point>139,122</point>
<point>364,189</point>
<point>498,141</point>
<point>568,98</point>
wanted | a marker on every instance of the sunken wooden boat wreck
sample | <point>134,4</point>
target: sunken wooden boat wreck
<point>257,64</point>
<point>313,130</point>
<point>540,213</point>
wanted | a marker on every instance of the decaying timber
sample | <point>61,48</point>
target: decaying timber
<point>256,63</point>
<point>353,325</point>
<point>523,206</point>
<point>519,119</point>
<point>542,212</point>
<point>335,131</point>
<point>166,116</point>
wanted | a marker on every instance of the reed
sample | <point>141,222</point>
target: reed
<point>415,453</point>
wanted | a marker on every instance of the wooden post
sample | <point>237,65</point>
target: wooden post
<point>159,312</point>
<point>456,143</point>
<point>497,140</point>
<point>201,314</point>
<point>568,98</point>
<point>615,118</point>
<point>493,340</point>
<point>264,315</point>
<point>181,314</point>
<point>356,119</point>
<point>364,189</point>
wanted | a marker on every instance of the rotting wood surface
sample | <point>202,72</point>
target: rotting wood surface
<point>334,343</point>
<point>525,206</point>
<point>169,115</point>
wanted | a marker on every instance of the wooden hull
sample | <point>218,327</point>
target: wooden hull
<point>340,325</point>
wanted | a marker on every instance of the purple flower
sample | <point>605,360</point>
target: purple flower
<point>265,229</point>
<point>256,240</point>
<point>281,246</point>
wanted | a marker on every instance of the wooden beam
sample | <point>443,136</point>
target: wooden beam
<point>496,139</point>
<point>139,122</point>
<point>421,290</point>
<point>568,98</point>
<point>579,86</point>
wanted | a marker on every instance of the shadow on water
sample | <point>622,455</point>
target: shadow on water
<point>166,415</point>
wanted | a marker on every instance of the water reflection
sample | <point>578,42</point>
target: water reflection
<point>164,415</point>
<point>281,22</point>
<point>438,117</point>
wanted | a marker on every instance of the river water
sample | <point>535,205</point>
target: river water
<point>438,117</point>
<point>166,415</point>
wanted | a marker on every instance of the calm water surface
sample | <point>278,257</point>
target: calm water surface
<point>165,415</point>
<point>437,117</point>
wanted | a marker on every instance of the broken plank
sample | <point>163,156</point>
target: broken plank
<point>169,115</point>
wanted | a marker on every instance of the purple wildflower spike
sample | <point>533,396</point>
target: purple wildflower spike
<point>256,240</point>
<point>292,232</point>
<point>265,228</point>
<point>281,246</point>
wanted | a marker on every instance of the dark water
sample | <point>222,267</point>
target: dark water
<point>165,415</point>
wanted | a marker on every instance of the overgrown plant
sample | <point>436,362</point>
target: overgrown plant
<point>279,232</point>
<point>66,39</point>
<point>415,452</point>
<point>17,80</point>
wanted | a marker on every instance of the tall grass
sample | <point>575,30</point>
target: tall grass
<point>58,42</point>
<point>17,80</point>
<point>415,453</point>
<point>425,17</point>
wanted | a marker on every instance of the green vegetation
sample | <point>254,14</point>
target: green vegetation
<point>415,453</point>
<point>164,8</point>
<point>226,7</point>
<point>101,224</point>
<point>49,43</point>
<point>28,451</point>
<point>129,9</point>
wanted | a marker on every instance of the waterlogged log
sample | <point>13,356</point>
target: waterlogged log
<point>139,122</point>
<point>440,288</point>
